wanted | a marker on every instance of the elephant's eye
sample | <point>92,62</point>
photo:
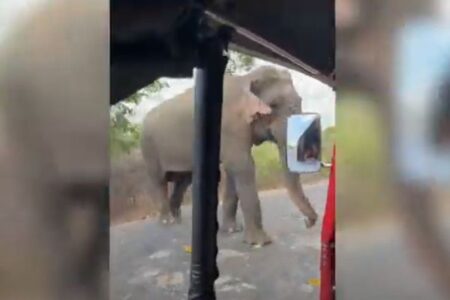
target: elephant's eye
<point>274,105</point>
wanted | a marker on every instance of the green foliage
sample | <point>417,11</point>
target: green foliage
<point>329,134</point>
<point>268,166</point>
<point>124,135</point>
<point>147,91</point>
<point>154,88</point>
<point>328,141</point>
<point>239,62</point>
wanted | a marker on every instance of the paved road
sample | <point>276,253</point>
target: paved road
<point>148,260</point>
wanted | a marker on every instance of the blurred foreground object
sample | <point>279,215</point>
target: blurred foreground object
<point>421,105</point>
<point>421,148</point>
<point>400,88</point>
<point>54,83</point>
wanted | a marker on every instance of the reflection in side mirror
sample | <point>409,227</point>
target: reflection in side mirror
<point>304,143</point>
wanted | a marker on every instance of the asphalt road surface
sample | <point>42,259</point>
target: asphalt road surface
<point>148,260</point>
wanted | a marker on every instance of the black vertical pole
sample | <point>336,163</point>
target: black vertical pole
<point>208,112</point>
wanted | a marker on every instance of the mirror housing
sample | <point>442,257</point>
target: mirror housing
<point>304,143</point>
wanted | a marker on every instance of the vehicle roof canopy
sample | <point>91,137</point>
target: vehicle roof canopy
<point>150,38</point>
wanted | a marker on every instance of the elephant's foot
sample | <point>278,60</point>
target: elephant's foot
<point>257,238</point>
<point>231,227</point>
<point>176,216</point>
<point>177,219</point>
<point>166,219</point>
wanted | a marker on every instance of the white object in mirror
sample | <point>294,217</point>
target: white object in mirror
<point>304,143</point>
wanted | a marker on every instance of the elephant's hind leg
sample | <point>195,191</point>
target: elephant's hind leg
<point>159,194</point>
<point>181,183</point>
<point>229,206</point>
<point>158,183</point>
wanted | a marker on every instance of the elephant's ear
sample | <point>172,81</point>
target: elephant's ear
<point>252,107</point>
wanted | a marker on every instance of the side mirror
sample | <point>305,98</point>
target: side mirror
<point>304,143</point>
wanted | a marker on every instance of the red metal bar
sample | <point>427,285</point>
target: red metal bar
<point>327,259</point>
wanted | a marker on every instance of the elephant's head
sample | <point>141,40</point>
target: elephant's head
<point>278,100</point>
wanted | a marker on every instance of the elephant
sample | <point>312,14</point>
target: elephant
<point>255,110</point>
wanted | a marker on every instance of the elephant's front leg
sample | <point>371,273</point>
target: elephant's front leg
<point>229,205</point>
<point>251,208</point>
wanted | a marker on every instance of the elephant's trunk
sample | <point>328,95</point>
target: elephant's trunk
<point>291,179</point>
